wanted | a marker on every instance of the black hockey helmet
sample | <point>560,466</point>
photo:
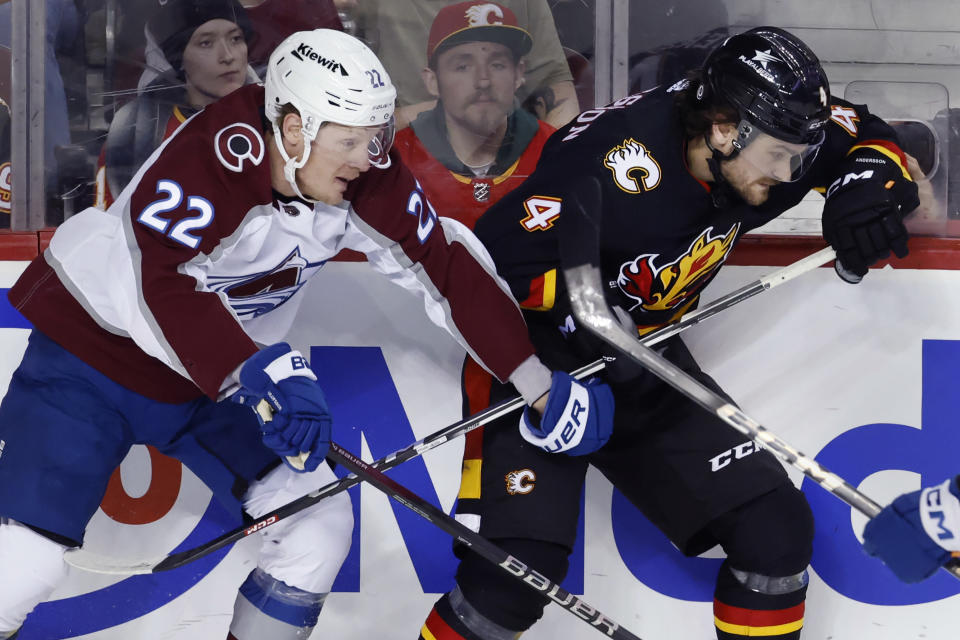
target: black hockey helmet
<point>773,80</point>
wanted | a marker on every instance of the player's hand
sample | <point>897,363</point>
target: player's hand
<point>863,214</point>
<point>577,417</point>
<point>917,533</point>
<point>301,422</point>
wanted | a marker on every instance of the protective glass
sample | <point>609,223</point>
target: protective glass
<point>775,158</point>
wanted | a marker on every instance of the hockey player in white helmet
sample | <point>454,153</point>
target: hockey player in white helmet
<point>179,295</point>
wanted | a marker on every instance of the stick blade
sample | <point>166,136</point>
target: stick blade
<point>96,563</point>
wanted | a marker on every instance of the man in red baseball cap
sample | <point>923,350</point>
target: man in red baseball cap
<point>477,22</point>
<point>476,145</point>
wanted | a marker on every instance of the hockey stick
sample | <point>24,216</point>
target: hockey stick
<point>580,251</point>
<point>479,544</point>
<point>86,560</point>
<point>791,271</point>
<point>96,563</point>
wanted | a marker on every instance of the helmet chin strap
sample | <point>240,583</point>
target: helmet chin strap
<point>722,190</point>
<point>290,165</point>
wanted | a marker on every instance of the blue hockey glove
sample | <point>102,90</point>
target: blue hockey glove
<point>301,421</point>
<point>918,532</point>
<point>577,420</point>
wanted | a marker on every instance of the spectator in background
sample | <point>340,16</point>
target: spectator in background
<point>204,43</point>
<point>475,145</point>
<point>271,21</point>
<point>397,30</point>
<point>62,28</point>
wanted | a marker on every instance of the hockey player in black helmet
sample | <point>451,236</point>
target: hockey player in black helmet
<point>685,172</point>
<point>778,89</point>
<point>786,102</point>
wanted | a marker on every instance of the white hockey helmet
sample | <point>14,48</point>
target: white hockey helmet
<point>330,76</point>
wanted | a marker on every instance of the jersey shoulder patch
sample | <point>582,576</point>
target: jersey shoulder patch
<point>237,144</point>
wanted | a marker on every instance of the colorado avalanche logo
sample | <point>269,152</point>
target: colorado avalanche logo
<point>479,14</point>
<point>630,157</point>
<point>238,143</point>
<point>665,288</point>
<point>253,295</point>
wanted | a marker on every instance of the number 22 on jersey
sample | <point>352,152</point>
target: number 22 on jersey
<point>179,231</point>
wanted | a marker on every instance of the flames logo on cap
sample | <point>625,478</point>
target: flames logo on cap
<point>665,288</point>
<point>479,14</point>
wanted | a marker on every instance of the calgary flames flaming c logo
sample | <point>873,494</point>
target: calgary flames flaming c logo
<point>665,288</point>
<point>634,169</point>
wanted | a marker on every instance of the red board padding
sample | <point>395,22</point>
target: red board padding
<point>779,251</point>
<point>18,245</point>
<point>44,236</point>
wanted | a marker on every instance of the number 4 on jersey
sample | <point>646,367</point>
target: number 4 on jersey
<point>542,211</point>
<point>846,118</point>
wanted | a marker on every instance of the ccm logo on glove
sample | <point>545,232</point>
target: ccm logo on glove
<point>863,215</point>
<point>847,179</point>
<point>940,517</point>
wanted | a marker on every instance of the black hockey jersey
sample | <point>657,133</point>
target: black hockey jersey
<point>663,238</point>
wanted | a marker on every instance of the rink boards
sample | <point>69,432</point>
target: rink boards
<point>861,377</point>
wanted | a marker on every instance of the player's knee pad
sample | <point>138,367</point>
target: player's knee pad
<point>762,585</point>
<point>269,608</point>
<point>771,535</point>
<point>304,550</point>
<point>31,566</point>
<point>495,596</point>
<point>453,618</point>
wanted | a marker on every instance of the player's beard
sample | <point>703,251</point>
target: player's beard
<point>752,189</point>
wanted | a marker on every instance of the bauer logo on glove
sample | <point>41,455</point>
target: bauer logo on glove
<point>297,421</point>
<point>577,420</point>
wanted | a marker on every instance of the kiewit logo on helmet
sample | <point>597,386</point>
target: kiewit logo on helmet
<point>306,52</point>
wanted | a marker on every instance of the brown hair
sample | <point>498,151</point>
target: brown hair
<point>286,110</point>
<point>698,115</point>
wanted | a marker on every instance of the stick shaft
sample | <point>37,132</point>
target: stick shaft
<point>480,545</point>
<point>590,308</point>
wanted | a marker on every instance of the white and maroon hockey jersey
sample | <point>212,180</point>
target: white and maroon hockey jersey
<point>198,261</point>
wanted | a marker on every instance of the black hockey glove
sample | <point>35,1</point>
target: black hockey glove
<point>863,214</point>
